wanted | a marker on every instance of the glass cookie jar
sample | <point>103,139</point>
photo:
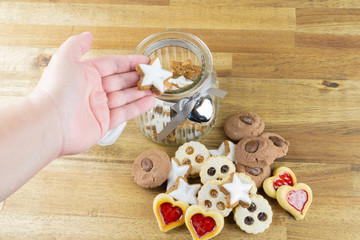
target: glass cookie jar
<point>181,47</point>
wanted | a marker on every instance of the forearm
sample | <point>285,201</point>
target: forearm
<point>30,138</point>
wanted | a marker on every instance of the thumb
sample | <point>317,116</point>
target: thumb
<point>76,46</point>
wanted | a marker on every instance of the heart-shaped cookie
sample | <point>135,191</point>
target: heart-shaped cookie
<point>296,200</point>
<point>168,212</point>
<point>281,176</point>
<point>203,224</point>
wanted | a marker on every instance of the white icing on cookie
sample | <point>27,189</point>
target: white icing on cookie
<point>180,82</point>
<point>184,191</point>
<point>221,150</point>
<point>154,75</point>
<point>256,218</point>
<point>176,171</point>
<point>239,189</point>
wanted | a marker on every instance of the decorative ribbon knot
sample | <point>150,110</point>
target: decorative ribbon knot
<point>184,106</point>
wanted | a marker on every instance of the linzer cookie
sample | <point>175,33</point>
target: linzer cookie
<point>256,174</point>
<point>244,125</point>
<point>176,171</point>
<point>280,144</point>
<point>227,149</point>
<point>186,69</point>
<point>256,218</point>
<point>152,76</point>
<point>255,152</point>
<point>168,212</point>
<point>211,198</point>
<point>184,191</point>
<point>296,200</point>
<point>194,154</point>
<point>203,224</point>
<point>237,189</point>
<point>216,168</point>
<point>151,168</point>
<point>281,176</point>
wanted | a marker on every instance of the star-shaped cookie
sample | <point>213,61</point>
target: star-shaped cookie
<point>226,149</point>
<point>176,171</point>
<point>237,189</point>
<point>183,191</point>
<point>152,76</point>
<point>177,83</point>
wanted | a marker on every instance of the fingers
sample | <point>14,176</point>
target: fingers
<point>76,46</point>
<point>120,98</point>
<point>120,81</point>
<point>131,110</point>
<point>110,65</point>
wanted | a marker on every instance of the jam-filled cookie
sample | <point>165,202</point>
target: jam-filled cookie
<point>151,168</point>
<point>194,154</point>
<point>203,224</point>
<point>244,125</point>
<point>296,200</point>
<point>255,152</point>
<point>256,174</point>
<point>237,188</point>
<point>256,218</point>
<point>281,176</point>
<point>168,212</point>
<point>216,168</point>
<point>280,144</point>
<point>211,198</point>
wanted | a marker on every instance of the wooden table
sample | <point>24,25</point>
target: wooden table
<point>295,63</point>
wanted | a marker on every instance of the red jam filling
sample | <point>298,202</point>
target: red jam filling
<point>202,225</point>
<point>283,179</point>
<point>169,213</point>
<point>297,199</point>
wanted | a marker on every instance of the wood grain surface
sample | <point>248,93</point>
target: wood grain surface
<point>295,63</point>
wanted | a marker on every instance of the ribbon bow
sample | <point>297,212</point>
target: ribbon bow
<point>184,106</point>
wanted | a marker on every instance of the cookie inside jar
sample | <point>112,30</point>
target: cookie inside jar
<point>190,61</point>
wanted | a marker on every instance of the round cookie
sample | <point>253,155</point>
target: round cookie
<point>151,168</point>
<point>256,174</point>
<point>194,154</point>
<point>256,218</point>
<point>211,198</point>
<point>279,143</point>
<point>255,152</point>
<point>244,125</point>
<point>216,168</point>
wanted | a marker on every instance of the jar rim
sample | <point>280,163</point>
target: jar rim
<point>150,44</point>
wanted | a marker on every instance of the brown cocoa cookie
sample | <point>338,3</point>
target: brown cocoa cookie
<point>256,174</point>
<point>244,125</point>
<point>255,152</point>
<point>151,168</point>
<point>279,143</point>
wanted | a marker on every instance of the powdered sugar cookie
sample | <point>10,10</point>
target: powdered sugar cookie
<point>216,168</point>
<point>168,212</point>
<point>227,149</point>
<point>211,198</point>
<point>237,189</point>
<point>176,171</point>
<point>256,218</point>
<point>152,76</point>
<point>194,154</point>
<point>184,191</point>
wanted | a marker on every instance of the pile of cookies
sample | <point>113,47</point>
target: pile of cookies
<point>229,176</point>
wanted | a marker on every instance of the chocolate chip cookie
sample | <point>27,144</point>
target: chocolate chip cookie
<point>244,125</point>
<point>256,174</point>
<point>255,152</point>
<point>279,143</point>
<point>151,168</point>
